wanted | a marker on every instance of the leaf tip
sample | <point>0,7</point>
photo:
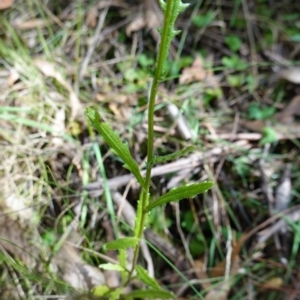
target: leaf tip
<point>92,114</point>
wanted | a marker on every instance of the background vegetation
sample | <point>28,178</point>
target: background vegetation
<point>233,81</point>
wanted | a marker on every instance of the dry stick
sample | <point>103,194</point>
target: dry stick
<point>250,36</point>
<point>235,125</point>
<point>269,221</point>
<point>279,225</point>
<point>238,136</point>
<point>268,191</point>
<point>101,37</point>
<point>190,162</point>
<point>93,45</point>
<point>183,239</point>
<point>227,222</point>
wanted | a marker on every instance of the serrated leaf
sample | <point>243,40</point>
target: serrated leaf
<point>174,33</point>
<point>183,6</point>
<point>115,143</point>
<point>143,276</point>
<point>122,243</point>
<point>111,267</point>
<point>176,154</point>
<point>162,5</point>
<point>182,192</point>
<point>151,294</point>
<point>171,11</point>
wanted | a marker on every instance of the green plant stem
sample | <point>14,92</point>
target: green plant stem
<point>163,48</point>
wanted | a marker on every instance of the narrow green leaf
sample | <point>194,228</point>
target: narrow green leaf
<point>182,6</point>
<point>176,154</point>
<point>114,142</point>
<point>115,294</point>
<point>151,294</point>
<point>162,5</point>
<point>182,192</point>
<point>104,292</point>
<point>100,290</point>
<point>143,276</point>
<point>111,267</point>
<point>122,243</point>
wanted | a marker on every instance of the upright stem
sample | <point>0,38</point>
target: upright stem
<point>161,57</point>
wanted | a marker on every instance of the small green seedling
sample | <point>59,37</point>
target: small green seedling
<point>204,20</point>
<point>233,42</point>
<point>171,10</point>
<point>234,63</point>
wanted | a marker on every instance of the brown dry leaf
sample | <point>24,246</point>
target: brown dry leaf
<point>12,78</point>
<point>122,99</point>
<point>75,271</point>
<point>154,17</point>
<point>272,283</point>
<point>255,126</point>
<point>219,293</point>
<point>292,75</point>
<point>91,17</point>
<point>93,13</point>
<point>30,24</point>
<point>4,4</point>
<point>137,24</point>
<point>49,70</point>
<point>219,269</point>
<point>116,110</point>
<point>291,110</point>
<point>194,73</point>
<point>117,3</point>
<point>150,17</point>
<point>201,273</point>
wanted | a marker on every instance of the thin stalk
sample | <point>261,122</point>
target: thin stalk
<point>163,48</point>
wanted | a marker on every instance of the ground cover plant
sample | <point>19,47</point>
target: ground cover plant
<point>226,111</point>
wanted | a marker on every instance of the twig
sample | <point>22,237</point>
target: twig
<point>93,45</point>
<point>191,162</point>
